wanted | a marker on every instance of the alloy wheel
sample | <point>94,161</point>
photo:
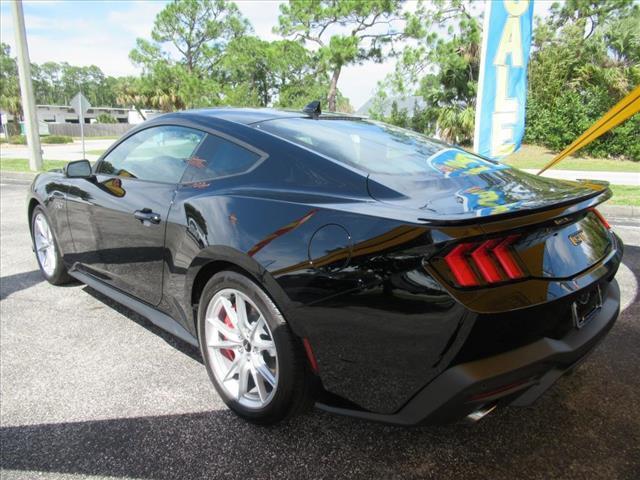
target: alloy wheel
<point>240,349</point>
<point>44,244</point>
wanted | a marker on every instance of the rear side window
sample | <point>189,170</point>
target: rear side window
<point>157,154</point>
<point>216,158</point>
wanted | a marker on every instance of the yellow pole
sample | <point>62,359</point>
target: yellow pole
<point>625,108</point>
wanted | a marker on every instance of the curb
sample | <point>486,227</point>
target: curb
<point>627,211</point>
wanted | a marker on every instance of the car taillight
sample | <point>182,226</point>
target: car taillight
<point>486,264</point>
<point>603,220</point>
<point>459,265</point>
<point>504,254</point>
<point>493,261</point>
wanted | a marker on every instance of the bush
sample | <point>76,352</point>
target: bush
<point>106,118</point>
<point>18,139</point>
<point>22,140</point>
<point>56,139</point>
<point>557,125</point>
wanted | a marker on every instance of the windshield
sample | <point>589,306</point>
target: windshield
<point>370,146</point>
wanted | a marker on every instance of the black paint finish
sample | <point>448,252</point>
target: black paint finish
<point>354,261</point>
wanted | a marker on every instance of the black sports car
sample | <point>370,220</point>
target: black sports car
<point>331,259</point>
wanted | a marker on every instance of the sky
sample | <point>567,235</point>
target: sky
<point>103,32</point>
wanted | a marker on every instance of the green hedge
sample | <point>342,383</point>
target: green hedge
<point>18,139</point>
<point>571,113</point>
<point>22,140</point>
<point>56,139</point>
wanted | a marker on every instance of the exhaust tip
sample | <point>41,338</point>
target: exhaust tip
<point>482,412</point>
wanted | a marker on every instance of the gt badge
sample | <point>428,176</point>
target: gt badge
<point>577,238</point>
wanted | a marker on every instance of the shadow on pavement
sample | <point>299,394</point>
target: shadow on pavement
<point>19,281</point>
<point>175,342</point>
<point>216,444</point>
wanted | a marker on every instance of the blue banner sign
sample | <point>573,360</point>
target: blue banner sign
<point>502,86</point>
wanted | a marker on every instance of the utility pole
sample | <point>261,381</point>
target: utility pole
<point>26,88</point>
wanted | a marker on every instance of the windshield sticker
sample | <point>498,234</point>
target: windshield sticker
<point>455,163</point>
<point>485,201</point>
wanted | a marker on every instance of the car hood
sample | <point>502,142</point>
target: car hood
<point>461,185</point>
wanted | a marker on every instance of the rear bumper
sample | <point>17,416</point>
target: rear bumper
<point>517,377</point>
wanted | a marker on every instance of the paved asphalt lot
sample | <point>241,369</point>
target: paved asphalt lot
<point>90,389</point>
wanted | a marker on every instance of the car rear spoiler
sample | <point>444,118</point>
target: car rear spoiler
<point>527,216</point>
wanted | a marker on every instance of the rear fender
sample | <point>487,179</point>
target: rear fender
<point>239,260</point>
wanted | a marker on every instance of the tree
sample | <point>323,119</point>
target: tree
<point>130,93</point>
<point>10,99</point>
<point>442,67</point>
<point>260,73</point>
<point>586,57</point>
<point>197,29</point>
<point>344,32</point>
<point>57,83</point>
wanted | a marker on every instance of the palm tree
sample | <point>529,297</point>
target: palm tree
<point>455,124</point>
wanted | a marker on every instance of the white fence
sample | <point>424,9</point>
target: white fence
<point>90,129</point>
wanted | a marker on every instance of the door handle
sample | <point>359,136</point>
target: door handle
<point>146,215</point>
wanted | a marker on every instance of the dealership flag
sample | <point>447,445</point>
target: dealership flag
<point>502,86</point>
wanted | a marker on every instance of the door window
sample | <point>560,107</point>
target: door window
<point>157,154</point>
<point>216,158</point>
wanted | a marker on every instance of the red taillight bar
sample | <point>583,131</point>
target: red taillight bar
<point>460,266</point>
<point>482,257</point>
<point>601,218</point>
<point>493,259</point>
<point>505,257</point>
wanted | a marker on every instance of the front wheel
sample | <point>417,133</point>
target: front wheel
<point>46,249</point>
<point>254,361</point>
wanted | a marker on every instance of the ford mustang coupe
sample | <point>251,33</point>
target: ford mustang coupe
<point>329,259</point>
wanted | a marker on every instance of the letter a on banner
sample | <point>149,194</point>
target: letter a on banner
<point>502,86</point>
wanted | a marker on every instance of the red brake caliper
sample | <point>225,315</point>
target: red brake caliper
<point>230,354</point>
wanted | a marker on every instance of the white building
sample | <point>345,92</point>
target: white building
<point>66,114</point>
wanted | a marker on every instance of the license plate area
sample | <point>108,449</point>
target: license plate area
<point>586,306</point>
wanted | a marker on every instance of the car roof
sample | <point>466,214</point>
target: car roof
<point>243,115</point>
<point>248,116</point>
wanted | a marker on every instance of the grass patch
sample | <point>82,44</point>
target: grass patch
<point>22,165</point>
<point>625,195</point>
<point>533,156</point>
<point>99,151</point>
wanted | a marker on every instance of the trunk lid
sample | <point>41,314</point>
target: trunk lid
<point>563,252</point>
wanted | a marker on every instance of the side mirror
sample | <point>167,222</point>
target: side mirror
<point>78,169</point>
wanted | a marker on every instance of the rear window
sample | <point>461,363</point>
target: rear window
<point>217,158</point>
<point>370,146</point>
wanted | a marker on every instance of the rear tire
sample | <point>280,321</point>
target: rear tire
<point>46,249</point>
<point>256,364</point>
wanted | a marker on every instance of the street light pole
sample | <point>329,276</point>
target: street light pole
<point>26,88</point>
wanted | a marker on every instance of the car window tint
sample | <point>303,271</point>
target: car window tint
<point>217,158</point>
<point>158,154</point>
<point>370,146</point>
